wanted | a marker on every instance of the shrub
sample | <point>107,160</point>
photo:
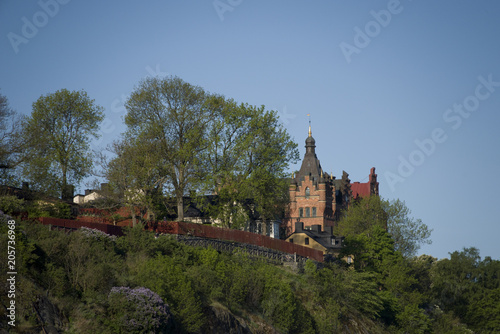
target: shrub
<point>96,234</point>
<point>138,310</point>
<point>11,204</point>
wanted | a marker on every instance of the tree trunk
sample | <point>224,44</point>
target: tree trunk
<point>64,181</point>
<point>180,208</point>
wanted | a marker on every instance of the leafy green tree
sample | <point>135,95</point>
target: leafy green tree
<point>369,248</point>
<point>9,142</point>
<point>469,287</point>
<point>167,278</point>
<point>248,153</point>
<point>134,176</point>
<point>362,215</point>
<point>11,204</point>
<point>204,142</point>
<point>413,320</point>
<point>453,280</point>
<point>484,311</point>
<point>172,116</point>
<point>408,233</point>
<point>57,136</point>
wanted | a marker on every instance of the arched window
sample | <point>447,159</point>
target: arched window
<point>308,192</point>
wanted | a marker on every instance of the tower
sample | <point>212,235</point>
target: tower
<point>311,192</point>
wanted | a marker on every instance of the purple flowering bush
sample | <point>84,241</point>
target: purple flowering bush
<point>96,234</point>
<point>138,310</point>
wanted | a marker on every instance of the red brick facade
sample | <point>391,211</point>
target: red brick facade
<point>317,198</point>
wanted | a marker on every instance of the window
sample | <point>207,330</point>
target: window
<point>301,212</point>
<point>308,192</point>
<point>291,240</point>
<point>306,241</point>
<point>349,259</point>
<point>314,212</point>
<point>308,212</point>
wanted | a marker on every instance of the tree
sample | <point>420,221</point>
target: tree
<point>9,141</point>
<point>248,153</point>
<point>362,215</point>
<point>408,233</point>
<point>57,135</point>
<point>470,288</point>
<point>133,175</point>
<point>204,142</point>
<point>172,116</point>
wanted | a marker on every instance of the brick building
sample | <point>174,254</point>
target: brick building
<point>318,198</point>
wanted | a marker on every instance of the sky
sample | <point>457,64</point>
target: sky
<point>411,88</point>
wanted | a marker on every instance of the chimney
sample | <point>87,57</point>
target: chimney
<point>299,227</point>
<point>316,228</point>
<point>68,192</point>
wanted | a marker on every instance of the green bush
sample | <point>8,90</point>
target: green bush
<point>11,205</point>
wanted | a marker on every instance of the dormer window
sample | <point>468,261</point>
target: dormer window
<point>308,192</point>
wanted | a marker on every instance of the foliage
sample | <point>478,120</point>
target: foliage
<point>181,140</point>
<point>66,121</point>
<point>168,279</point>
<point>469,287</point>
<point>170,115</point>
<point>406,232</point>
<point>133,175</point>
<point>42,208</point>
<point>9,142</point>
<point>80,274</point>
<point>96,234</point>
<point>11,204</point>
<point>247,154</point>
<point>138,310</point>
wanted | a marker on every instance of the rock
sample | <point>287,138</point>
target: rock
<point>48,315</point>
<point>222,321</point>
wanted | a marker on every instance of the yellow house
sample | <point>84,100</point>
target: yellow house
<point>313,237</point>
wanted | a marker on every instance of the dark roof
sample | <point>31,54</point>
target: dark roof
<point>324,238</point>
<point>311,165</point>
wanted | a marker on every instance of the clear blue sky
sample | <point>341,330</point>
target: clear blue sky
<point>377,77</point>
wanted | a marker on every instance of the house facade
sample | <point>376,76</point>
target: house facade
<point>317,238</point>
<point>318,198</point>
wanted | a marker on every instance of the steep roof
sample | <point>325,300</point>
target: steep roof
<point>310,164</point>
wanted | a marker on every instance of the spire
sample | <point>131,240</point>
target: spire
<point>310,133</point>
<point>310,142</point>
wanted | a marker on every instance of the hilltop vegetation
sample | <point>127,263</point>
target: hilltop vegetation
<point>89,282</point>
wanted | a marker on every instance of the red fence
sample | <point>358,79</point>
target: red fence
<point>197,230</point>
<point>205,231</point>
<point>75,224</point>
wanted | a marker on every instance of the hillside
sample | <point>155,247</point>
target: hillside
<point>89,282</point>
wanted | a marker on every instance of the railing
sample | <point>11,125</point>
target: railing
<point>252,250</point>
